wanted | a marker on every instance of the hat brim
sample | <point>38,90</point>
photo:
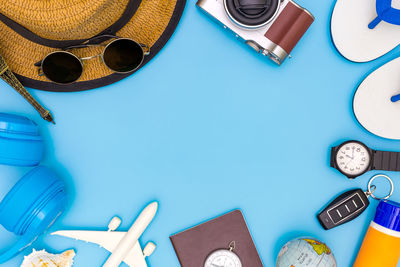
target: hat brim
<point>41,84</point>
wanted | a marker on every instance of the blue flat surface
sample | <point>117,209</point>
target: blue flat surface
<point>206,127</point>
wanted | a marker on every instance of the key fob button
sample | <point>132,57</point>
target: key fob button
<point>335,215</point>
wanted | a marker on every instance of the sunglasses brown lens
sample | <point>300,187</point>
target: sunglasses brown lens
<point>62,67</point>
<point>123,55</point>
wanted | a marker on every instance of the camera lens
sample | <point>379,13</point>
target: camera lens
<point>252,13</point>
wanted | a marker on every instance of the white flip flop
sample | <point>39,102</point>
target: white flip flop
<point>350,30</point>
<point>376,102</point>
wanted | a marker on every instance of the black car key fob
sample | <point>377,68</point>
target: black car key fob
<point>344,208</point>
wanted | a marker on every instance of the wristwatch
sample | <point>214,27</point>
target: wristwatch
<point>353,158</point>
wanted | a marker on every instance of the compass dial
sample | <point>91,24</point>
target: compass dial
<point>223,258</point>
<point>353,158</point>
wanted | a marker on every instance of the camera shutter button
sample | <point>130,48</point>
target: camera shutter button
<point>254,45</point>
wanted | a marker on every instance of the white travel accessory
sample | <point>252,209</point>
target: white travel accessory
<point>224,258</point>
<point>376,102</point>
<point>351,31</point>
<point>124,246</point>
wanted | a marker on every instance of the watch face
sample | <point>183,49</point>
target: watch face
<point>223,258</point>
<point>353,158</point>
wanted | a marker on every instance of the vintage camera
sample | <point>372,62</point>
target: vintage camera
<point>271,27</point>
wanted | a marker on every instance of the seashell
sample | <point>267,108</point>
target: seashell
<point>44,259</point>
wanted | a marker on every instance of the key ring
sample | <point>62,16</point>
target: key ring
<point>370,186</point>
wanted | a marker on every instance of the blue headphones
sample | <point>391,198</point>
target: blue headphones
<point>39,197</point>
<point>385,13</point>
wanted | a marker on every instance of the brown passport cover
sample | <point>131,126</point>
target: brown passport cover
<point>194,245</point>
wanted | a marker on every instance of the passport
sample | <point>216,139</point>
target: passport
<point>194,245</point>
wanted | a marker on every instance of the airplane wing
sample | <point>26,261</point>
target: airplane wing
<point>108,240</point>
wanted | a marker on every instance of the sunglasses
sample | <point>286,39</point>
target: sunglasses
<point>122,55</point>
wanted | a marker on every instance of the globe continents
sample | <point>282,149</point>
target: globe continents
<point>305,252</point>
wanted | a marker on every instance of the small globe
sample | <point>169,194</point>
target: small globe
<point>305,252</point>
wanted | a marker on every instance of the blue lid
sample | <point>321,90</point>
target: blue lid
<point>16,124</point>
<point>388,215</point>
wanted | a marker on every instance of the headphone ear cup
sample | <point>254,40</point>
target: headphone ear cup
<point>20,152</point>
<point>31,207</point>
<point>16,248</point>
<point>20,141</point>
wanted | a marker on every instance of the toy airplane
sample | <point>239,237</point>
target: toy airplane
<point>124,246</point>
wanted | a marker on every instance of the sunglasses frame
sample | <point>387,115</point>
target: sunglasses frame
<point>145,51</point>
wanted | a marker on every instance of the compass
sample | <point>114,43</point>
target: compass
<point>223,258</point>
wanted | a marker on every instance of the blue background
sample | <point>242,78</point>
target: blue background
<point>207,127</point>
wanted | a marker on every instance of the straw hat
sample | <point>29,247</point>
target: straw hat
<point>31,29</point>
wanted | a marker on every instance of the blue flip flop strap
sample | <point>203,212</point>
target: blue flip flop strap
<point>385,13</point>
<point>395,98</point>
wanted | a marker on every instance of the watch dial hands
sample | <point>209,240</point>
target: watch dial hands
<point>352,159</point>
